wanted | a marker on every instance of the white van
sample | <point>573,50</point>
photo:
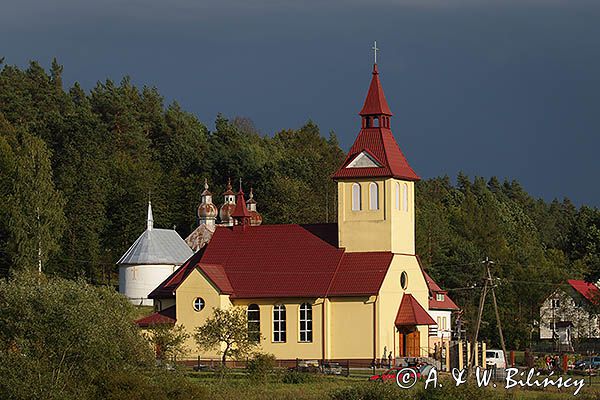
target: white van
<point>495,358</point>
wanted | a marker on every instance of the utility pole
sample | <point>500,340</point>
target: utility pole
<point>487,286</point>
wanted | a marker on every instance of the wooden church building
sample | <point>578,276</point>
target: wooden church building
<point>350,290</point>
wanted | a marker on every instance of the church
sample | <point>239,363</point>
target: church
<point>352,290</point>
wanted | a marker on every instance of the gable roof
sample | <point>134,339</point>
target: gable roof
<point>164,317</point>
<point>434,289</point>
<point>157,246</point>
<point>588,290</point>
<point>411,313</point>
<point>282,261</point>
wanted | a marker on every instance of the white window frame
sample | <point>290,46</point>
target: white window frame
<point>439,297</point>
<point>306,323</point>
<point>279,324</point>
<point>373,196</point>
<point>397,185</point>
<point>201,304</point>
<point>356,197</point>
<point>405,196</point>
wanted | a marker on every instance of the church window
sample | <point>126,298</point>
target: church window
<point>356,197</point>
<point>373,196</point>
<point>404,280</point>
<point>405,196</point>
<point>305,322</point>
<point>397,185</point>
<point>279,323</point>
<point>199,303</point>
<point>254,322</point>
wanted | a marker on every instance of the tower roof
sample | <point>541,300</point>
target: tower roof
<point>375,103</point>
<point>156,246</point>
<point>375,152</point>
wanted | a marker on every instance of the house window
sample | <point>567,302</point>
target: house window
<point>254,322</point>
<point>405,196</point>
<point>356,197</point>
<point>373,196</point>
<point>279,323</point>
<point>439,296</point>
<point>397,186</point>
<point>555,303</point>
<point>199,303</point>
<point>305,322</point>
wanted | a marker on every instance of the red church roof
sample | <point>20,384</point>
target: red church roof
<point>282,261</point>
<point>411,313</point>
<point>434,289</point>
<point>378,142</point>
<point>375,103</point>
<point>586,289</point>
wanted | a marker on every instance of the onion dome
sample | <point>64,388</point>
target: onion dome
<point>228,206</point>
<point>255,217</point>
<point>206,210</point>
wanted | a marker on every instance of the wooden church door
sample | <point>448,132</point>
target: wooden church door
<point>413,343</point>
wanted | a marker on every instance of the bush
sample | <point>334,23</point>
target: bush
<point>295,377</point>
<point>261,366</point>
<point>62,339</point>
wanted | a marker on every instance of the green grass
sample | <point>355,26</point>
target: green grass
<point>236,385</point>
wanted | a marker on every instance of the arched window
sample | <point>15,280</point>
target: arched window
<point>397,190</point>
<point>305,322</point>
<point>373,196</point>
<point>279,323</point>
<point>356,197</point>
<point>405,197</point>
<point>254,322</point>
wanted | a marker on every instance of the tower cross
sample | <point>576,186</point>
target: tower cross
<point>375,49</point>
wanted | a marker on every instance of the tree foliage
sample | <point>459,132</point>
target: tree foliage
<point>226,331</point>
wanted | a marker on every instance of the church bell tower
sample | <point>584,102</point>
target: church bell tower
<point>376,207</point>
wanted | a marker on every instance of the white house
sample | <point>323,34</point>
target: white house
<point>149,261</point>
<point>570,313</point>
<point>441,307</point>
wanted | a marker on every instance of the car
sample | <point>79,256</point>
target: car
<point>587,363</point>
<point>390,374</point>
<point>495,358</point>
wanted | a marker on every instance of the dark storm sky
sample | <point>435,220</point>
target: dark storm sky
<point>498,87</point>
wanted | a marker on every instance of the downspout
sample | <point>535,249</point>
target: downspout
<point>375,329</point>
<point>323,322</point>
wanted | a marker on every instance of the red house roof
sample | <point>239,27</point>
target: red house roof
<point>282,261</point>
<point>411,313</point>
<point>434,289</point>
<point>164,317</point>
<point>586,289</point>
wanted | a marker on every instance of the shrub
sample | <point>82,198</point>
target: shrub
<point>295,377</point>
<point>261,366</point>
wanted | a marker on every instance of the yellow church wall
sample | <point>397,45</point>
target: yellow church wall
<point>390,228</point>
<point>350,323</point>
<point>390,297</point>
<point>292,348</point>
<point>197,285</point>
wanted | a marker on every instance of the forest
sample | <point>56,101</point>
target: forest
<point>77,168</point>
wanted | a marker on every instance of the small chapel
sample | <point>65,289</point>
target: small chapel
<point>351,290</point>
